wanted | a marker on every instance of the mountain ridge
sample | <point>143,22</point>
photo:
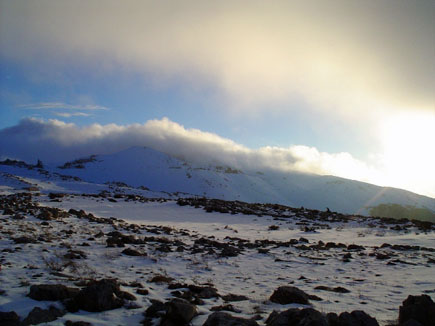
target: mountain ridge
<point>146,167</point>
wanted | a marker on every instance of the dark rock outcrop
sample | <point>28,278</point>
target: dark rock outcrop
<point>417,308</point>
<point>297,317</point>
<point>99,296</point>
<point>77,323</point>
<point>179,312</point>
<point>337,289</point>
<point>133,252</point>
<point>356,318</point>
<point>203,292</point>
<point>220,318</point>
<point>234,297</point>
<point>24,240</point>
<point>51,292</point>
<point>289,294</point>
<point>39,316</point>
<point>9,318</point>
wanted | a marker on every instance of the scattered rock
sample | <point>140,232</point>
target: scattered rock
<point>24,239</point>
<point>289,294</point>
<point>132,252</point>
<point>157,309</point>
<point>203,292</point>
<point>179,312</point>
<point>18,217</point>
<point>337,289</point>
<point>297,317</point>
<point>8,211</point>
<point>220,318</point>
<point>382,256</point>
<point>45,215</point>
<point>355,247</point>
<point>38,315</point>
<point>142,291</point>
<point>77,323</point>
<point>75,254</point>
<point>234,297</point>
<point>161,279</point>
<point>226,307</point>
<point>356,318</point>
<point>230,251</point>
<point>99,296</point>
<point>51,292</point>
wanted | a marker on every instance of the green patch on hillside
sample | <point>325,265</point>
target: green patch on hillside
<point>399,211</point>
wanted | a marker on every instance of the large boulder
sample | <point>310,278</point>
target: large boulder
<point>51,292</point>
<point>297,317</point>
<point>417,308</point>
<point>356,318</point>
<point>220,318</point>
<point>203,292</point>
<point>9,318</point>
<point>289,294</point>
<point>39,315</point>
<point>133,252</point>
<point>99,296</point>
<point>157,309</point>
<point>179,312</point>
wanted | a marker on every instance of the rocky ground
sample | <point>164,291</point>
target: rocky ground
<point>63,265</point>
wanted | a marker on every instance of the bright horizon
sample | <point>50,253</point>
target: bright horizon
<point>329,87</point>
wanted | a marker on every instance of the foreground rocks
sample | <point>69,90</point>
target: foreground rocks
<point>220,318</point>
<point>311,317</point>
<point>290,294</point>
<point>356,318</point>
<point>9,318</point>
<point>297,317</point>
<point>179,312</point>
<point>417,310</point>
<point>52,292</point>
<point>99,296</point>
<point>60,235</point>
<point>39,316</point>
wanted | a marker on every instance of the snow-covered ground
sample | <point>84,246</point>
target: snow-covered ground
<point>378,279</point>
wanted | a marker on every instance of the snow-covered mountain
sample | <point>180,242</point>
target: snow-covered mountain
<point>139,166</point>
<point>139,254</point>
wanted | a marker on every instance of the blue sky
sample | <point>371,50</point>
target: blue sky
<point>347,77</point>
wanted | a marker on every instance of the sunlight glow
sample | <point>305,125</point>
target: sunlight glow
<point>409,151</point>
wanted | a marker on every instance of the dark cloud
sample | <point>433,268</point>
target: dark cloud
<point>343,56</point>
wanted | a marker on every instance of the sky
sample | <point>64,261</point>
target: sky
<point>340,87</point>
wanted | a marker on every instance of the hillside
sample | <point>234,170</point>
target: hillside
<point>157,171</point>
<point>77,252</point>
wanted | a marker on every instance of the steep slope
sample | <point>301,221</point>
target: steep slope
<point>157,171</point>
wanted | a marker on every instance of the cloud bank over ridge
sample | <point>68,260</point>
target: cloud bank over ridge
<point>57,141</point>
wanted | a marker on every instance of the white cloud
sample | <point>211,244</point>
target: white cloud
<point>74,114</point>
<point>61,106</point>
<point>57,141</point>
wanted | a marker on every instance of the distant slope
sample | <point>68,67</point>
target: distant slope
<point>400,211</point>
<point>157,171</point>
